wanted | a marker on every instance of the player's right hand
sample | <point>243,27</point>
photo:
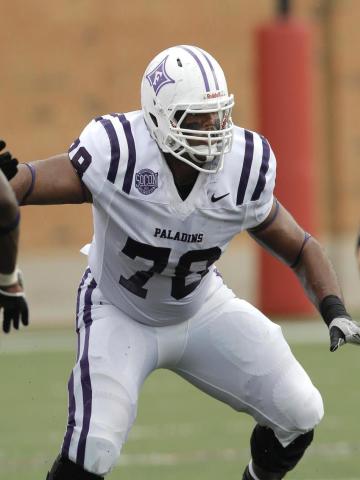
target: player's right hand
<point>14,306</point>
<point>8,164</point>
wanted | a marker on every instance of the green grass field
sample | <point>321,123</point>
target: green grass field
<point>180,433</point>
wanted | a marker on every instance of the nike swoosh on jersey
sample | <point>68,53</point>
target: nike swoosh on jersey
<point>216,199</point>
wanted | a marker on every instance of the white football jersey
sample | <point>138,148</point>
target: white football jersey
<point>152,253</point>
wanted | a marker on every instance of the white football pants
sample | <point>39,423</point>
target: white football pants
<point>229,350</point>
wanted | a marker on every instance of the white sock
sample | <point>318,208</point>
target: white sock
<point>252,473</point>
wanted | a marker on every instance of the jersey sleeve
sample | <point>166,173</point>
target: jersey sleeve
<point>90,156</point>
<point>259,206</point>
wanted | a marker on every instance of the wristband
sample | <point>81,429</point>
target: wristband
<point>32,184</point>
<point>332,307</point>
<point>7,279</point>
<point>4,230</point>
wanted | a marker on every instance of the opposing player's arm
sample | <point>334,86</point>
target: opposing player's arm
<point>284,238</point>
<point>50,181</point>
<point>9,229</point>
<point>13,305</point>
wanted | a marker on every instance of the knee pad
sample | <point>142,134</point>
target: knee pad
<point>309,411</point>
<point>101,455</point>
<point>269,455</point>
<point>64,469</point>
<point>298,403</point>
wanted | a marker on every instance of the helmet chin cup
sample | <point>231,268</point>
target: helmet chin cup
<point>189,80</point>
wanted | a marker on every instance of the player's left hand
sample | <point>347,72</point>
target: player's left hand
<point>343,330</point>
<point>8,164</point>
<point>14,306</point>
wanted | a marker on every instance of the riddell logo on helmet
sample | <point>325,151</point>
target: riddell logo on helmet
<point>214,94</point>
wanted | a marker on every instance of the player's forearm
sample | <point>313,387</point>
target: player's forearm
<point>9,245</point>
<point>316,273</point>
<point>8,204</point>
<point>48,182</point>
<point>9,230</point>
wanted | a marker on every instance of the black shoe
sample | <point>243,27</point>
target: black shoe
<point>247,474</point>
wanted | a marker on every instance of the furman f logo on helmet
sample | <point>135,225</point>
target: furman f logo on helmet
<point>181,81</point>
<point>158,77</point>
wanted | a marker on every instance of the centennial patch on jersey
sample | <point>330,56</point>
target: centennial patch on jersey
<point>159,77</point>
<point>146,181</point>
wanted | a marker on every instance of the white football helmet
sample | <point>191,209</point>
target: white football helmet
<point>186,80</point>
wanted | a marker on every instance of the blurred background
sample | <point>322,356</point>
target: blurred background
<point>64,63</point>
<point>296,79</point>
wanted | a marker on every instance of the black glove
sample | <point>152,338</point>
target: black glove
<point>8,164</point>
<point>15,309</point>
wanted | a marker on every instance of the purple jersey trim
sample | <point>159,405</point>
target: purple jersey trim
<point>268,221</point>
<point>74,145</point>
<point>212,69</point>
<point>114,146</point>
<point>245,173</point>
<point>260,185</point>
<point>129,174</point>
<point>72,403</point>
<point>202,69</point>
<point>83,280</point>
<point>81,167</point>
<point>85,376</point>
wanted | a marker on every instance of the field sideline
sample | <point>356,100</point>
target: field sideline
<point>180,433</point>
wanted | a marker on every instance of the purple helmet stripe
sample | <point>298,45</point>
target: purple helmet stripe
<point>245,173</point>
<point>260,185</point>
<point>202,69</point>
<point>85,376</point>
<point>129,174</point>
<point>114,146</point>
<point>72,403</point>
<point>212,69</point>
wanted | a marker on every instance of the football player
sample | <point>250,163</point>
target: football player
<point>170,185</point>
<point>12,298</point>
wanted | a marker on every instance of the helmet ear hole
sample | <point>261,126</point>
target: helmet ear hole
<point>154,119</point>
